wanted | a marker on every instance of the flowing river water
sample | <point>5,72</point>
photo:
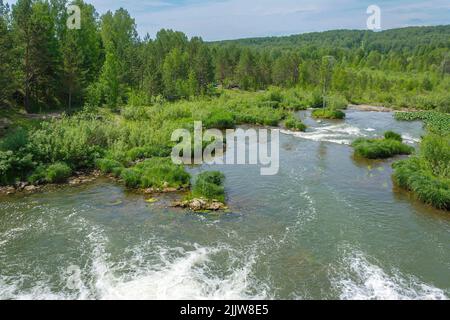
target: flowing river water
<point>328,226</point>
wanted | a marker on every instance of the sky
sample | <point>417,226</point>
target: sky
<point>233,19</point>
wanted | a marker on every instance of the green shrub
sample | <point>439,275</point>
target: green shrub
<point>76,141</point>
<point>336,102</point>
<point>38,176</point>
<point>140,153</point>
<point>209,185</point>
<point>295,124</point>
<point>380,148</point>
<point>131,178</point>
<point>393,135</point>
<point>156,173</point>
<point>435,150</point>
<point>135,112</point>
<point>269,104</point>
<point>14,141</point>
<point>274,94</point>
<point>220,119</point>
<point>316,99</point>
<point>58,173</point>
<point>15,166</point>
<point>108,166</point>
<point>410,175</point>
<point>328,114</point>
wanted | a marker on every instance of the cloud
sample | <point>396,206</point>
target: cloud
<point>230,19</point>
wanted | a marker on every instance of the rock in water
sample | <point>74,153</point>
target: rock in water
<point>200,204</point>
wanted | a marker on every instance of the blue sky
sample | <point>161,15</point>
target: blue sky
<point>231,19</point>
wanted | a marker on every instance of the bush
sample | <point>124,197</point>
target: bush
<point>38,176</point>
<point>156,173</point>
<point>380,148</point>
<point>58,173</point>
<point>220,119</point>
<point>316,99</point>
<point>393,136</point>
<point>15,141</point>
<point>140,153</point>
<point>336,102</point>
<point>15,166</point>
<point>135,112</point>
<point>108,166</point>
<point>209,185</point>
<point>274,94</point>
<point>131,178</point>
<point>435,150</point>
<point>75,141</point>
<point>293,123</point>
<point>410,175</point>
<point>328,114</point>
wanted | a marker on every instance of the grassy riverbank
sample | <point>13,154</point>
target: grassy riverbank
<point>427,173</point>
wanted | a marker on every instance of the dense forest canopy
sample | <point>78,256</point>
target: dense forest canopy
<point>47,66</point>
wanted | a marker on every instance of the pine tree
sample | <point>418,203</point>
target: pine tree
<point>110,80</point>
<point>6,56</point>
<point>34,27</point>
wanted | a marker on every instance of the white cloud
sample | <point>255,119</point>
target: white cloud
<point>230,19</point>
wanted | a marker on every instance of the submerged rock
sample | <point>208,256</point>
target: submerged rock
<point>30,188</point>
<point>8,190</point>
<point>201,204</point>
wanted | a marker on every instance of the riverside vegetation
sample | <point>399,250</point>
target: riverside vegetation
<point>391,145</point>
<point>427,173</point>
<point>122,96</point>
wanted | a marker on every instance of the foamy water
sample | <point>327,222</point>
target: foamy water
<point>345,132</point>
<point>340,134</point>
<point>358,279</point>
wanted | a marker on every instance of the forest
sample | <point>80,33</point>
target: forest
<point>46,66</point>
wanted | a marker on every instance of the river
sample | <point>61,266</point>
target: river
<point>328,226</point>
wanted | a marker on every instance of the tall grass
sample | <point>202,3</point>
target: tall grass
<point>388,147</point>
<point>209,185</point>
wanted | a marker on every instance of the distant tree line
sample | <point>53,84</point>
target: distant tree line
<point>44,65</point>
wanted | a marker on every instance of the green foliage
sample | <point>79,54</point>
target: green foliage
<point>411,175</point>
<point>381,148</point>
<point>295,124</point>
<point>393,135</point>
<point>109,166</point>
<point>436,122</point>
<point>131,178</point>
<point>15,140</point>
<point>435,151</point>
<point>328,114</point>
<point>210,185</point>
<point>58,173</point>
<point>38,176</point>
<point>156,173</point>
<point>15,166</point>
<point>75,141</point>
<point>7,81</point>
<point>219,119</point>
<point>336,102</point>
